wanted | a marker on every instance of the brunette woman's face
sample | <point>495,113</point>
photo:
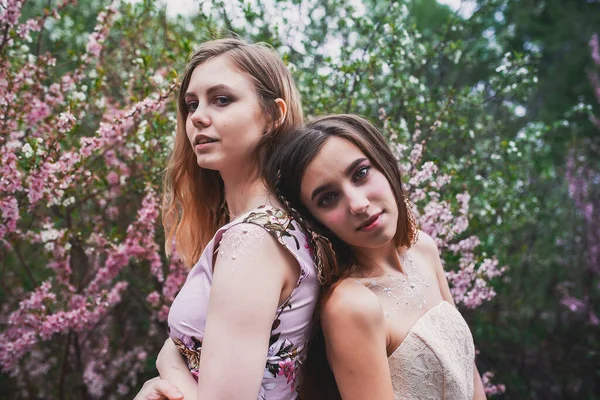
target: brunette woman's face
<point>225,119</point>
<point>344,191</point>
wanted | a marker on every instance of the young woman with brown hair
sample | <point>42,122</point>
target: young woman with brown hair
<point>390,329</point>
<point>247,303</point>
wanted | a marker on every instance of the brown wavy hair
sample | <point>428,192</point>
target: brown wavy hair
<point>335,258</point>
<point>194,199</point>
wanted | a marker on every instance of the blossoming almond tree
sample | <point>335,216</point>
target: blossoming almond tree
<point>84,133</point>
<point>81,152</point>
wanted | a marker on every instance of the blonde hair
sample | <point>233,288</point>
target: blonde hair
<point>194,198</point>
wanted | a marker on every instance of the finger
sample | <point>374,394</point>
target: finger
<point>168,390</point>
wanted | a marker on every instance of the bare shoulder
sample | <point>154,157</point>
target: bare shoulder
<point>426,244</point>
<point>428,249</point>
<point>351,304</point>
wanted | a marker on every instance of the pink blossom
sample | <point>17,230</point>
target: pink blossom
<point>93,47</point>
<point>139,243</point>
<point>39,111</point>
<point>153,298</point>
<point>593,318</point>
<point>490,388</point>
<point>163,313</point>
<point>112,178</point>
<point>595,49</point>
<point>10,215</point>
<point>11,11</point>
<point>416,154</point>
<point>66,121</point>
<point>573,304</point>
<point>30,25</point>
<point>10,176</point>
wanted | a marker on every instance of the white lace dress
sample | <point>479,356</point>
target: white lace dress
<point>435,361</point>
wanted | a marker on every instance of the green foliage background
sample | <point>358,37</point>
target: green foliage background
<point>464,81</point>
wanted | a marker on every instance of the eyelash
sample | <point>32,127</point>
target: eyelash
<point>193,105</point>
<point>322,203</point>
<point>356,177</point>
<point>366,169</point>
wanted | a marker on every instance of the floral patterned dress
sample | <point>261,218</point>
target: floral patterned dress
<point>291,327</point>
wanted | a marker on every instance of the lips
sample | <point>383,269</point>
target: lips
<point>203,139</point>
<point>369,221</point>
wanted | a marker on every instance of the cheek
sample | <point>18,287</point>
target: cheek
<point>334,221</point>
<point>380,188</point>
<point>188,129</point>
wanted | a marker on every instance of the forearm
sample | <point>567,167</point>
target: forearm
<point>479,393</point>
<point>172,367</point>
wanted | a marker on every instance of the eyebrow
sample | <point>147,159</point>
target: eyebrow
<point>347,172</point>
<point>211,90</point>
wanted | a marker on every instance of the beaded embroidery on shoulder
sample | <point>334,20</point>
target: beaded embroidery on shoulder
<point>241,241</point>
<point>402,290</point>
<point>243,238</point>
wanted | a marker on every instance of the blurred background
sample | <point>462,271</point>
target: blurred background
<point>490,105</point>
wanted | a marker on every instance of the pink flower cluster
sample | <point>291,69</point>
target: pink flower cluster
<point>75,218</point>
<point>446,221</point>
<point>97,38</point>
<point>139,244</point>
<point>583,180</point>
<point>37,319</point>
<point>10,12</point>
<point>490,388</point>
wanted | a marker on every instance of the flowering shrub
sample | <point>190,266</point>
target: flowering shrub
<point>84,131</point>
<point>80,152</point>
<point>584,179</point>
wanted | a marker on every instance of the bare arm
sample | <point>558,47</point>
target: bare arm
<point>356,341</point>
<point>479,392</point>
<point>432,251</point>
<point>172,368</point>
<point>244,297</point>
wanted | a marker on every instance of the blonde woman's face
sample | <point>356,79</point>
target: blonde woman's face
<point>344,191</point>
<point>225,119</point>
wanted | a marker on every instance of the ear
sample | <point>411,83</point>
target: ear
<point>282,107</point>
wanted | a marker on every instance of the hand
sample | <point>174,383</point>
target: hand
<point>158,389</point>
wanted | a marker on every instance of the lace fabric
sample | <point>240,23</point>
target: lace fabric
<point>402,290</point>
<point>435,361</point>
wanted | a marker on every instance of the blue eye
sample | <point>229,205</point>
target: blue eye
<point>362,173</point>
<point>222,100</point>
<point>191,106</point>
<point>327,200</point>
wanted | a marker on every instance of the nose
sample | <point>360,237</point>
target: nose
<point>358,202</point>
<point>200,117</point>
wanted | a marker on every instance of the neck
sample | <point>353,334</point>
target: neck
<point>244,193</point>
<point>379,261</point>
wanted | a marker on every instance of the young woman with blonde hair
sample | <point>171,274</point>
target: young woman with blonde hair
<point>243,317</point>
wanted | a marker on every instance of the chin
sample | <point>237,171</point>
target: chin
<point>383,239</point>
<point>375,242</point>
<point>208,163</point>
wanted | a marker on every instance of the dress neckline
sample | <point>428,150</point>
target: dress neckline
<point>410,330</point>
